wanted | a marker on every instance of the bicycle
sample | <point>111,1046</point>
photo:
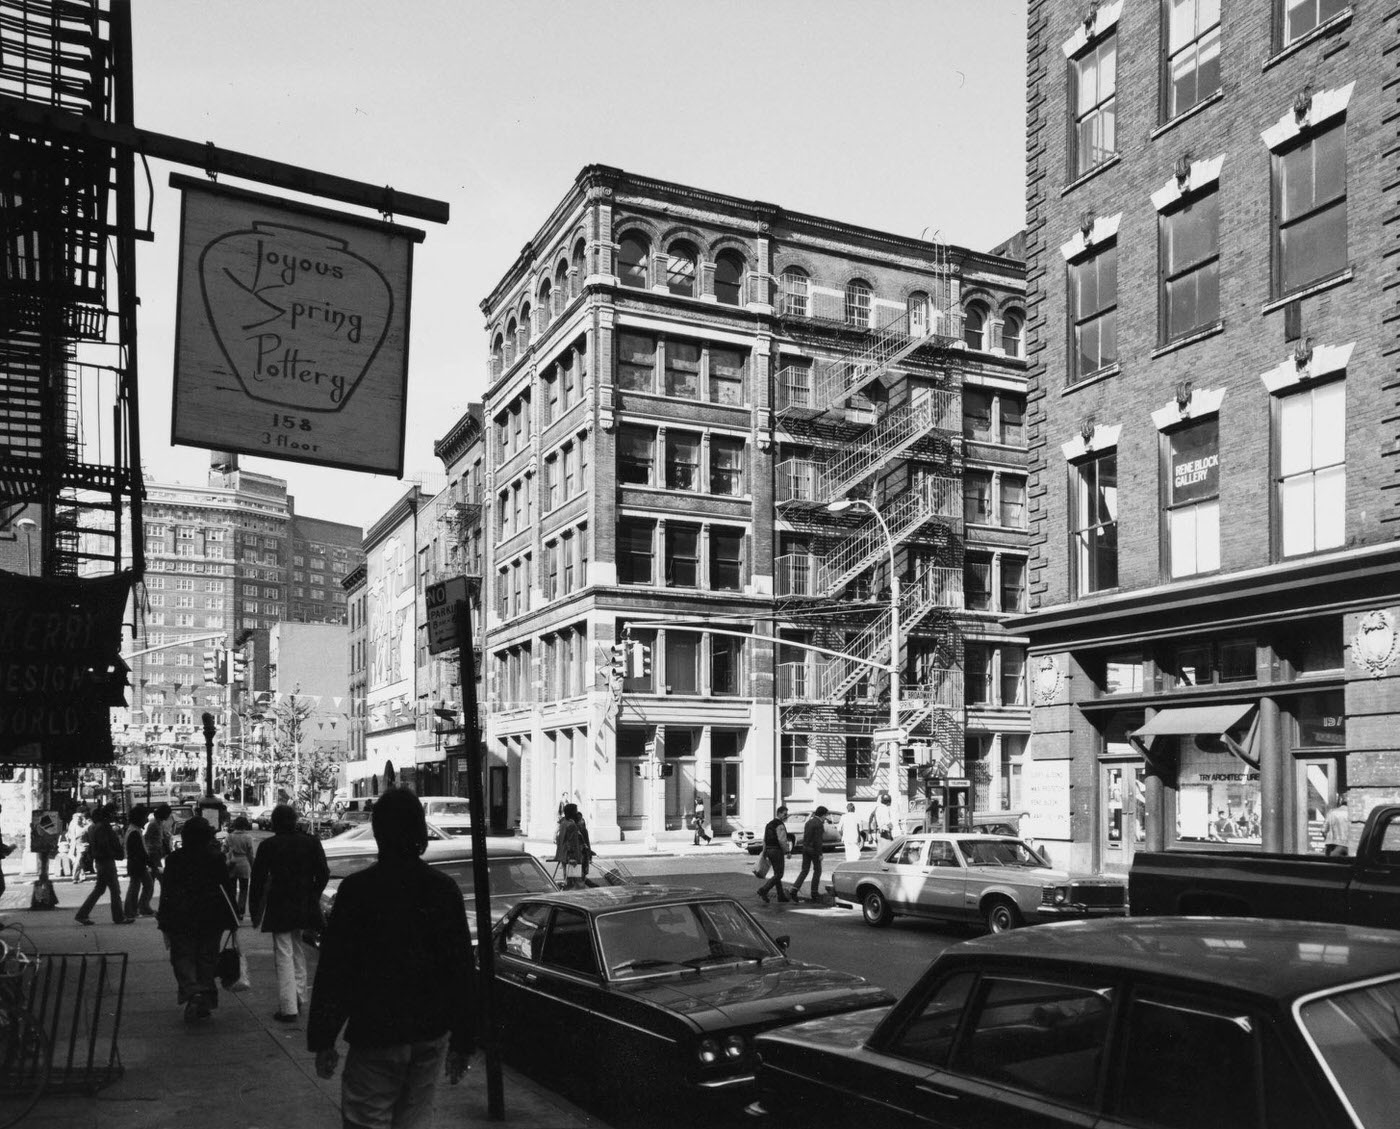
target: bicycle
<point>25,1054</point>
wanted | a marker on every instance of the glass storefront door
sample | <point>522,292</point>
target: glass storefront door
<point>1123,812</point>
<point>1315,786</point>
<point>724,795</point>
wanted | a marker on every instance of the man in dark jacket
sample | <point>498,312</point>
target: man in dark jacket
<point>289,873</point>
<point>812,833</point>
<point>106,850</point>
<point>396,971</point>
<point>140,882</point>
<point>775,850</point>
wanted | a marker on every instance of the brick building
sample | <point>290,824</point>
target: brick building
<point>1211,282</point>
<point>682,383</point>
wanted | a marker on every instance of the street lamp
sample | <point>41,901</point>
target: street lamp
<point>896,793</point>
<point>29,525</point>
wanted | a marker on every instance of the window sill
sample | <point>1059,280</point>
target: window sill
<point>1102,167</point>
<point>1339,279</point>
<point>1187,115</point>
<point>1093,378</point>
<point>1190,339</point>
<point>1341,19</point>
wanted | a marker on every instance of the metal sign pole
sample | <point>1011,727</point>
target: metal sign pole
<point>476,801</point>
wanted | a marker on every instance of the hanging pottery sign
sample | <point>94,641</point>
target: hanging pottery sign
<point>291,339</point>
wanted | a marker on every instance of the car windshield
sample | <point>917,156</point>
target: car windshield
<point>998,852</point>
<point>456,808</point>
<point>650,939</point>
<point>1356,1033</point>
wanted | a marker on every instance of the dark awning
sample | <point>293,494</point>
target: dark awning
<point>1187,720</point>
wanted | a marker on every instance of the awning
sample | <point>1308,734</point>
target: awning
<point>1186,720</point>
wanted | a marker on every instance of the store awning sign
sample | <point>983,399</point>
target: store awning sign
<point>291,337</point>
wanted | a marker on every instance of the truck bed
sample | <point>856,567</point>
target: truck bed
<point>1240,884</point>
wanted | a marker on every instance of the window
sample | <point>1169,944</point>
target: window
<point>680,270</point>
<point>796,760</point>
<point>729,276</point>
<point>1301,16</point>
<point>636,454</point>
<point>977,498</point>
<point>916,309</point>
<point>1093,304</point>
<point>726,376</point>
<point>1094,77</point>
<point>636,362</point>
<point>1193,53</point>
<point>1310,205</point>
<point>683,662</point>
<point>1013,420</point>
<point>632,252</point>
<point>635,552</point>
<point>975,325</point>
<point>1013,676</point>
<point>977,583</point>
<point>1189,250</point>
<point>977,414</point>
<point>1310,440</point>
<point>726,656</point>
<point>727,559</point>
<point>549,481</point>
<point>1192,490</point>
<point>858,302</point>
<point>727,466</point>
<point>795,285</point>
<point>683,370</point>
<point>977,673</point>
<point>1013,584</point>
<point>1013,325</point>
<point>1094,523</point>
<point>1013,502</point>
<point>573,481</point>
<point>682,461</point>
<point>682,556</point>
<point>860,758</point>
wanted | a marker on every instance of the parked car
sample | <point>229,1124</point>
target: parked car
<point>1363,888</point>
<point>359,839</point>
<point>642,994</point>
<point>752,841</point>
<point>452,814</point>
<point>1157,1023</point>
<point>996,879</point>
<point>346,820</point>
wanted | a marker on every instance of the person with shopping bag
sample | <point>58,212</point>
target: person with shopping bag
<point>570,849</point>
<point>195,909</point>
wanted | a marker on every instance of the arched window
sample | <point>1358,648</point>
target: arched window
<point>511,338</point>
<point>917,305</point>
<point>680,269</point>
<point>858,302</point>
<point>561,286</point>
<point>1013,329</point>
<point>729,277</point>
<point>498,355</point>
<point>975,325</point>
<point>795,290</point>
<point>632,252</point>
<point>580,266</point>
<point>524,325</point>
<point>546,305</point>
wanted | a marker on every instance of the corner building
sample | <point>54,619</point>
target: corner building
<point>1212,191</point>
<point>681,383</point>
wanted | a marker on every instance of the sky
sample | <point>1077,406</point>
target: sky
<point>906,116</point>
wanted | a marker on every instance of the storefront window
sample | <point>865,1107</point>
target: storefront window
<point>1314,647</point>
<point>1218,795</point>
<point>1123,674</point>
<point>1320,721</point>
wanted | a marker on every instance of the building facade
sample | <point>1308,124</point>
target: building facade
<point>683,386</point>
<point>357,660</point>
<point>1213,583</point>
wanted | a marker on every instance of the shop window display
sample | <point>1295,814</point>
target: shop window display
<point>1218,795</point>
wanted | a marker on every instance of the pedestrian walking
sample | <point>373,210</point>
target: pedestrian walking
<point>140,883</point>
<point>776,846</point>
<point>289,873</point>
<point>1336,835</point>
<point>849,830</point>
<point>158,840</point>
<point>77,834</point>
<point>570,847</point>
<point>813,832</point>
<point>195,909</point>
<point>395,971</point>
<point>105,847</point>
<point>239,848</point>
<point>882,818</point>
<point>698,822</point>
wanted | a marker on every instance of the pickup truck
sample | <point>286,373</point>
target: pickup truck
<point>1360,889</point>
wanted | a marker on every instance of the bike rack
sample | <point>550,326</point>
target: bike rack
<point>77,999</point>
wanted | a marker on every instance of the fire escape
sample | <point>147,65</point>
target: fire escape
<point>858,426</point>
<point>68,426</point>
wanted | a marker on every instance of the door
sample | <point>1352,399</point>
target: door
<point>499,800</point>
<point>724,796</point>
<point>1124,816</point>
<point>1317,782</point>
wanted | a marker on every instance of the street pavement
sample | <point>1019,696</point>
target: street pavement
<point>241,1069</point>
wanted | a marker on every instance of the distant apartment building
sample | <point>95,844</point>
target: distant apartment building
<point>684,386</point>
<point>357,664</point>
<point>1214,593</point>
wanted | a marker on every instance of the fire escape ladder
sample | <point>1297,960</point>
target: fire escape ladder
<point>931,499</point>
<point>892,435</point>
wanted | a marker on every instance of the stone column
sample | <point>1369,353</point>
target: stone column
<point>1272,766</point>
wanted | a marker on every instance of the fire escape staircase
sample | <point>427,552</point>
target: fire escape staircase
<point>836,381</point>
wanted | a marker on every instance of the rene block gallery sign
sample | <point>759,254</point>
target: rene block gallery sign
<point>291,338</point>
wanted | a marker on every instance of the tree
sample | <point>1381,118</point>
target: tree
<point>303,770</point>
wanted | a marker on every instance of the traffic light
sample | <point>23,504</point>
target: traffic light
<point>215,673</point>
<point>617,660</point>
<point>238,661</point>
<point>640,666</point>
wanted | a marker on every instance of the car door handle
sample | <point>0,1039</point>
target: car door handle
<point>530,977</point>
<point>936,1091</point>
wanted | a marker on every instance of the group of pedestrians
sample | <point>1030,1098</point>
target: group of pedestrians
<point>145,844</point>
<point>777,846</point>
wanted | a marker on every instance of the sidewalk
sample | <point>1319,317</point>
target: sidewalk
<point>239,1070</point>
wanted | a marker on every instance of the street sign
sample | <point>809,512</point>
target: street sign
<point>898,734</point>
<point>442,600</point>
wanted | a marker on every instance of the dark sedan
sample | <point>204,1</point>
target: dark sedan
<point>1156,1023</point>
<point>640,994</point>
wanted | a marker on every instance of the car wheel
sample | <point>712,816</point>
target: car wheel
<point>875,909</point>
<point>1000,916</point>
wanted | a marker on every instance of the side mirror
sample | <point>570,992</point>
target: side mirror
<point>783,942</point>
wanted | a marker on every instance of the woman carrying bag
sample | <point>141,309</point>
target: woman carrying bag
<point>195,910</point>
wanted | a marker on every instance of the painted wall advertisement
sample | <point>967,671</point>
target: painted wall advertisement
<point>291,339</point>
<point>1047,799</point>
